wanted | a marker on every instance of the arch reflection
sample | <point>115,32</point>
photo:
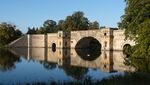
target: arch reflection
<point>88,54</point>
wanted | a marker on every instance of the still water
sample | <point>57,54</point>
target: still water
<point>28,65</point>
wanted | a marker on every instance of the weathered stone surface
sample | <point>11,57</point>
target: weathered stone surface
<point>110,39</point>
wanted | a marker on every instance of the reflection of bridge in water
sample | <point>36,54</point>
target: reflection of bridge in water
<point>108,61</point>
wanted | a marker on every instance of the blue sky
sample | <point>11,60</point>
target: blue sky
<point>32,13</point>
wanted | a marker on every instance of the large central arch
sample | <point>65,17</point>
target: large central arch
<point>88,48</point>
<point>88,43</point>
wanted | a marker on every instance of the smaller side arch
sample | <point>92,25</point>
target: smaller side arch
<point>127,51</point>
<point>128,42</point>
<point>53,47</point>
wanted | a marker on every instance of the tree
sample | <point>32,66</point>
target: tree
<point>76,21</point>
<point>61,25</point>
<point>79,21</point>
<point>31,30</point>
<point>49,23</point>
<point>49,26</point>
<point>136,22</point>
<point>69,23</point>
<point>94,25</point>
<point>40,30</point>
<point>8,33</point>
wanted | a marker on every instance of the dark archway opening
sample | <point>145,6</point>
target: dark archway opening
<point>127,50</point>
<point>53,47</point>
<point>88,48</point>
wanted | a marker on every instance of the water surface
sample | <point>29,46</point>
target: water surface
<point>28,65</point>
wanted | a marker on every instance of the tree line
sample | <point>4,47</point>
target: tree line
<point>74,22</point>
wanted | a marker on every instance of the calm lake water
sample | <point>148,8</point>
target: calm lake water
<point>28,65</point>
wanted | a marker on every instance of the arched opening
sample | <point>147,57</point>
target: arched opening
<point>88,48</point>
<point>127,50</point>
<point>53,47</point>
<point>105,34</point>
<point>88,43</point>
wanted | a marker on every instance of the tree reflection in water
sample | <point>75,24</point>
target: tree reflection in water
<point>75,72</point>
<point>140,64</point>
<point>48,65</point>
<point>7,60</point>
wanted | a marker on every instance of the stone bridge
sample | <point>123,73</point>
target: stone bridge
<point>107,38</point>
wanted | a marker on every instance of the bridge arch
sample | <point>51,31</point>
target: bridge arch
<point>128,42</point>
<point>124,45</point>
<point>53,47</point>
<point>88,48</point>
<point>88,42</point>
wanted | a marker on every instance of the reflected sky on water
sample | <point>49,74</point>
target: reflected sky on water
<point>28,65</point>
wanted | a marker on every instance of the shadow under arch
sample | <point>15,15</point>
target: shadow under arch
<point>88,48</point>
<point>127,50</point>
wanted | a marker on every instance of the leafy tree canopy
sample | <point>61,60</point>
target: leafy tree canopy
<point>8,33</point>
<point>76,21</point>
<point>136,22</point>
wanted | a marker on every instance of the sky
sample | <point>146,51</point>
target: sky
<point>32,13</point>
